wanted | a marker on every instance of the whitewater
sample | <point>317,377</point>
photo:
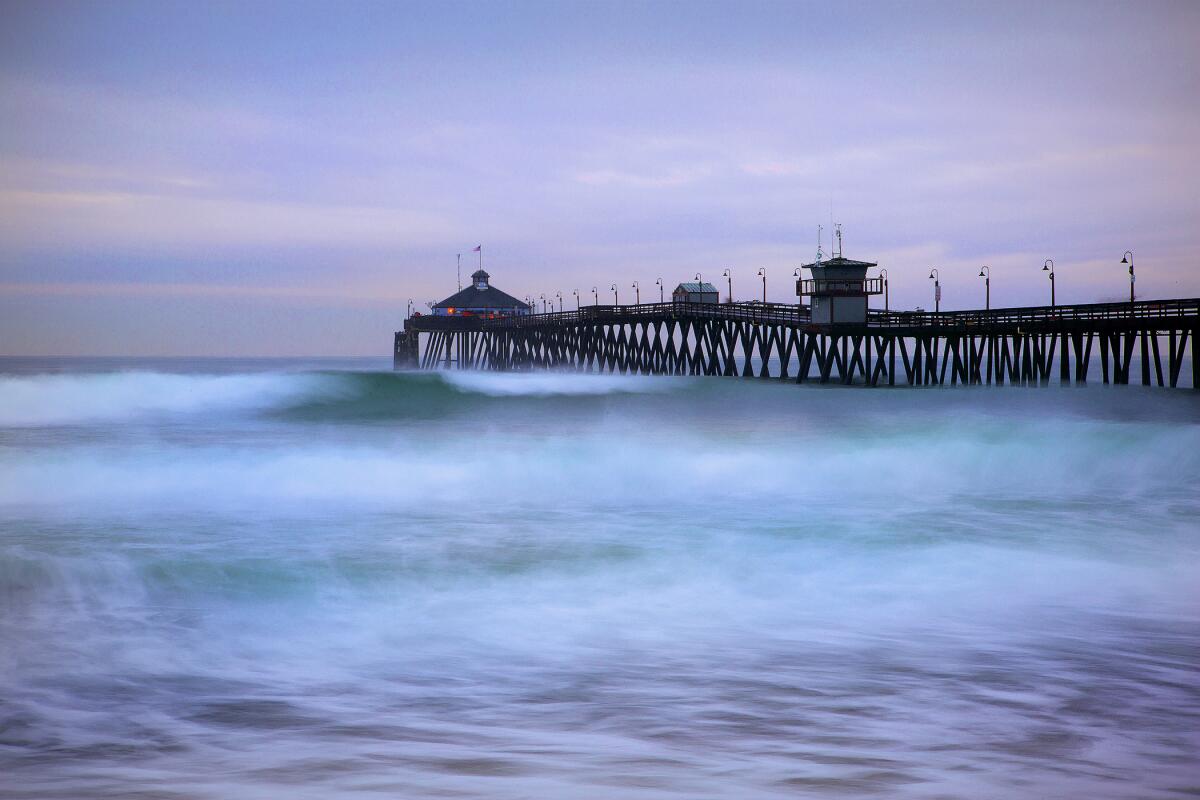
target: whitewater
<point>320,579</point>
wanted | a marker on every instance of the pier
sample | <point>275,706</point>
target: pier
<point>1146,341</point>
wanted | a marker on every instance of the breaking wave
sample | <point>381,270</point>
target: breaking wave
<point>549,384</point>
<point>51,400</point>
<point>37,400</point>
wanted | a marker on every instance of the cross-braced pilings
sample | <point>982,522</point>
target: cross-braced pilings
<point>1018,346</point>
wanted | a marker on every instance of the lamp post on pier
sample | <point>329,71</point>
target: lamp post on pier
<point>762,271</point>
<point>576,293</point>
<point>700,286</point>
<point>637,294</point>
<point>559,296</point>
<point>1049,267</point>
<point>935,276</point>
<point>1128,259</point>
<point>729,277</point>
<point>595,296</point>
<point>661,297</point>
<point>883,274</point>
<point>543,304</point>
<point>410,305</point>
<point>616,297</point>
<point>985,272</point>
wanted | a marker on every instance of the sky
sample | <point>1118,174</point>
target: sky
<point>262,178</point>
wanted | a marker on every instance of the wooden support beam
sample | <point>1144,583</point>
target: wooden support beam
<point>828,353</point>
<point>808,348</point>
<point>1158,373</point>
<point>1064,365</point>
<point>1145,360</point>
<point>933,344</point>
<point>855,344</point>
<point>892,361</point>
<point>910,372</point>
<point>1195,358</point>
<point>952,356</point>
<point>881,345</point>
<point>1104,340</point>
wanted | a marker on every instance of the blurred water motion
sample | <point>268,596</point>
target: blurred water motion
<point>245,580</point>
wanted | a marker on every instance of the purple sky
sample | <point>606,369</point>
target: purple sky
<point>279,179</point>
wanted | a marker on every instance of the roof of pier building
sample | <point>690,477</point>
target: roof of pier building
<point>481,295</point>
<point>692,287</point>
<point>840,263</point>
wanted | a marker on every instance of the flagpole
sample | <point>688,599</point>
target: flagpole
<point>459,257</point>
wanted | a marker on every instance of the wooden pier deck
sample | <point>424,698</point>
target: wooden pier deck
<point>1154,340</point>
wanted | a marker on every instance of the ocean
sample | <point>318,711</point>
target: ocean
<point>321,579</point>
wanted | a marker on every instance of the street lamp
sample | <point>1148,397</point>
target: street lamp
<point>935,276</point>
<point>559,296</point>
<point>1049,267</point>
<point>763,272</point>
<point>637,294</point>
<point>985,272</point>
<point>661,297</point>
<point>883,274</point>
<point>576,293</point>
<point>700,286</point>
<point>410,304</point>
<point>543,304</point>
<point>726,274</point>
<point>1128,259</point>
<point>595,296</point>
<point>616,297</point>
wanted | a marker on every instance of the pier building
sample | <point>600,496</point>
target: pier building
<point>694,292</point>
<point>839,289</point>
<point>480,299</point>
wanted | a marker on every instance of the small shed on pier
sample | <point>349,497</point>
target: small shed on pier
<point>694,292</point>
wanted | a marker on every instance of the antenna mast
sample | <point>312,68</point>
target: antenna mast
<point>837,228</point>
<point>459,271</point>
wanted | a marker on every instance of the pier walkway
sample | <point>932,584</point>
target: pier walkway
<point>1154,340</point>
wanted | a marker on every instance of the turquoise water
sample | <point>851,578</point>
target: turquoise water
<point>228,579</point>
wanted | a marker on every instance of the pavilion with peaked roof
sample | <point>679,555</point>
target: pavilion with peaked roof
<point>480,299</point>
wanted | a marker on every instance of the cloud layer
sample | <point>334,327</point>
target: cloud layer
<point>317,165</point>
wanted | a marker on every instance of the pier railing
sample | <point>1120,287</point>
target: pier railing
<point>744,312</point>
<point>1087,312</point>
<point>794,314</point>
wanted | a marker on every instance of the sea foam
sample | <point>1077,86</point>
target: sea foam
<point>34,400</point>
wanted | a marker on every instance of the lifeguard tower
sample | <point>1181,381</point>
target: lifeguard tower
<point>839,288</point>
